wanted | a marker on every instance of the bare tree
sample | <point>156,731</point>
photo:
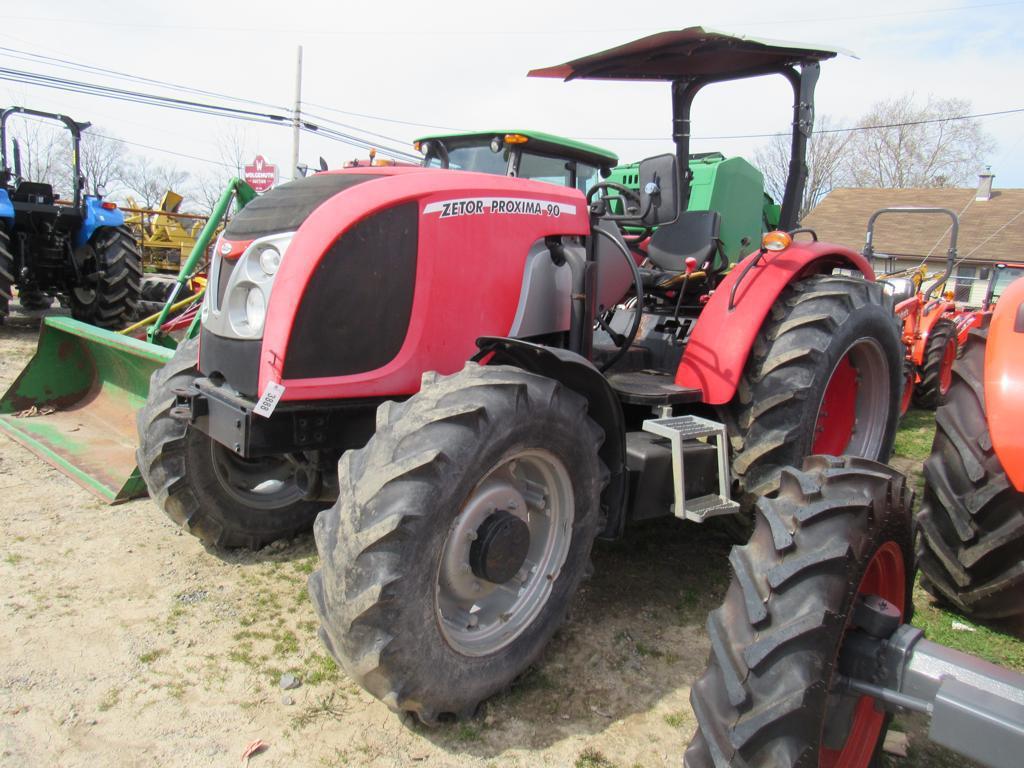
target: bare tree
<point>148,180</point>
<point>825,164</point>
<point>926,146</point>
<point>44,151</point>
<point>104,160</point>
<point>235,150</point>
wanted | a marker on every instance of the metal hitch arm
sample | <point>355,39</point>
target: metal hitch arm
<point>975,708</point>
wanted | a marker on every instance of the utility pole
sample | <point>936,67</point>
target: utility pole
<point>297,115</point>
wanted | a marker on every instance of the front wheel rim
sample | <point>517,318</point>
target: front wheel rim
<point>885,577</point>
<point>478,617</point>
<point>266,483</point>
<point>853,414</point>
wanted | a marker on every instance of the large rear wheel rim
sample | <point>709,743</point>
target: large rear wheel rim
<point>854,408</point>
<point>885,577</point>
<point>476,616</point>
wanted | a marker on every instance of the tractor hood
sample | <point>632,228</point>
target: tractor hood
<point>694,52</point>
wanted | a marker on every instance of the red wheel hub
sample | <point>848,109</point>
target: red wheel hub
<point>946,371</point>
<point>838,411</point>
<point>886,576</point>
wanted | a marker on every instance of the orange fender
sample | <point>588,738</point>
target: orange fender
<point>1004,381</point>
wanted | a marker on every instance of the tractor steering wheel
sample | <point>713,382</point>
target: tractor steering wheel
<point>600,206</point>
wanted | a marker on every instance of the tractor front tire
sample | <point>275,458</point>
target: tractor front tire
<point>824,377</point>
<point>461,532</point>
<point>838,529</point>
<point>222,499</point>
<point>970,526</point>
<point>112,265</point>
<point>6,274</point>
<point>936,370</point>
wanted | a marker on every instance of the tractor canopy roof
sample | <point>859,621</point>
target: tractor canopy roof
<point>694,52</point>
<point>546,143</point>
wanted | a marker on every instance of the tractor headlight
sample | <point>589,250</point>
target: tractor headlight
<point>255,308</point>
<point>270,260</point>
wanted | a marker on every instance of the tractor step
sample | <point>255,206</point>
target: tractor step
<point>679,429</point>
<point>651,388</point>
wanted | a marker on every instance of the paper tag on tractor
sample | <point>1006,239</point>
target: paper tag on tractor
<point>268,402</point>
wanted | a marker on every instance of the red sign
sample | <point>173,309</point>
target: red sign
<point>261,175</point>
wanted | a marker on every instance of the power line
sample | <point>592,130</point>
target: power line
<point>827,130</point>
<point>54,61</point>
<point>385,119</point>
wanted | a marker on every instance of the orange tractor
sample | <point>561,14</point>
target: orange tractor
<point>929,317</point>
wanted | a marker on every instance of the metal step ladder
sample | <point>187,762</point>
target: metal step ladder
<point>679,429</point>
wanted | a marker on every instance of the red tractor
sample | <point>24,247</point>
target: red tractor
<point>811,650</point>
<point>503,383</point>
<point>930,318</point>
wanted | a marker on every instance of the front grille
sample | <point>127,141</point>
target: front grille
<point>355,311</point>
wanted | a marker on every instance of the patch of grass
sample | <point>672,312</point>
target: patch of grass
<point>325,707</point>
<point>534,680</point>
<point>307,565</point>
<point>591,758</point>
<point>286,643</point>
<point>150,656</point>
<point>987,642</point>
<point>13,559</point>
<point>319,668</point>
<point>467,733</point>
<point>915,434</point>
<point>110,699</point>
<point>675,719</point>
<point>648,651</point>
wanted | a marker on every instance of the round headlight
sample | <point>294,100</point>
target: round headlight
<point>255,308</point>
<point>270,259</point>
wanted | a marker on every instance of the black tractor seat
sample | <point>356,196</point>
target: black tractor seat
<point>694,233</point>
<point>33,192</point>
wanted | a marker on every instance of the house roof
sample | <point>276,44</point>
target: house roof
<point>842,218</point>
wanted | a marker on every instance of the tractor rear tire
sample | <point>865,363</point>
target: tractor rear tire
<point>201,484</point>
<point>111,301</point>
<point>819,328</point>
<point>404,610</point>
<point>970,544</point>
<point>936,368</point>
<point>6,274</point>
<point>839,528</point>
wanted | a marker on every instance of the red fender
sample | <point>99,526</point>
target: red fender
<point>1004,381</point>
<point>722,338</point>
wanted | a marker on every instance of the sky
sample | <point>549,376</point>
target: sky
<point>403,69</point>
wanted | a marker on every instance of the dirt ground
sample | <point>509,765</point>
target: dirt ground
<point>126,643</point>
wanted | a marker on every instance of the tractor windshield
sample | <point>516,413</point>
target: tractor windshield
<point>470,157</point>
<point>557,170</point>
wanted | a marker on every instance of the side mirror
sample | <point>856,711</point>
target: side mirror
<point>659,187</point>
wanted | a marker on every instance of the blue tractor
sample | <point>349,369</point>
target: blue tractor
<point>77,250</point>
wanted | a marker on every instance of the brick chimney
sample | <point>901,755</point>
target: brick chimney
<point>985,184</point>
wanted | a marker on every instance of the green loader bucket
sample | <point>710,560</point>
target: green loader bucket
<point>74,404</point>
